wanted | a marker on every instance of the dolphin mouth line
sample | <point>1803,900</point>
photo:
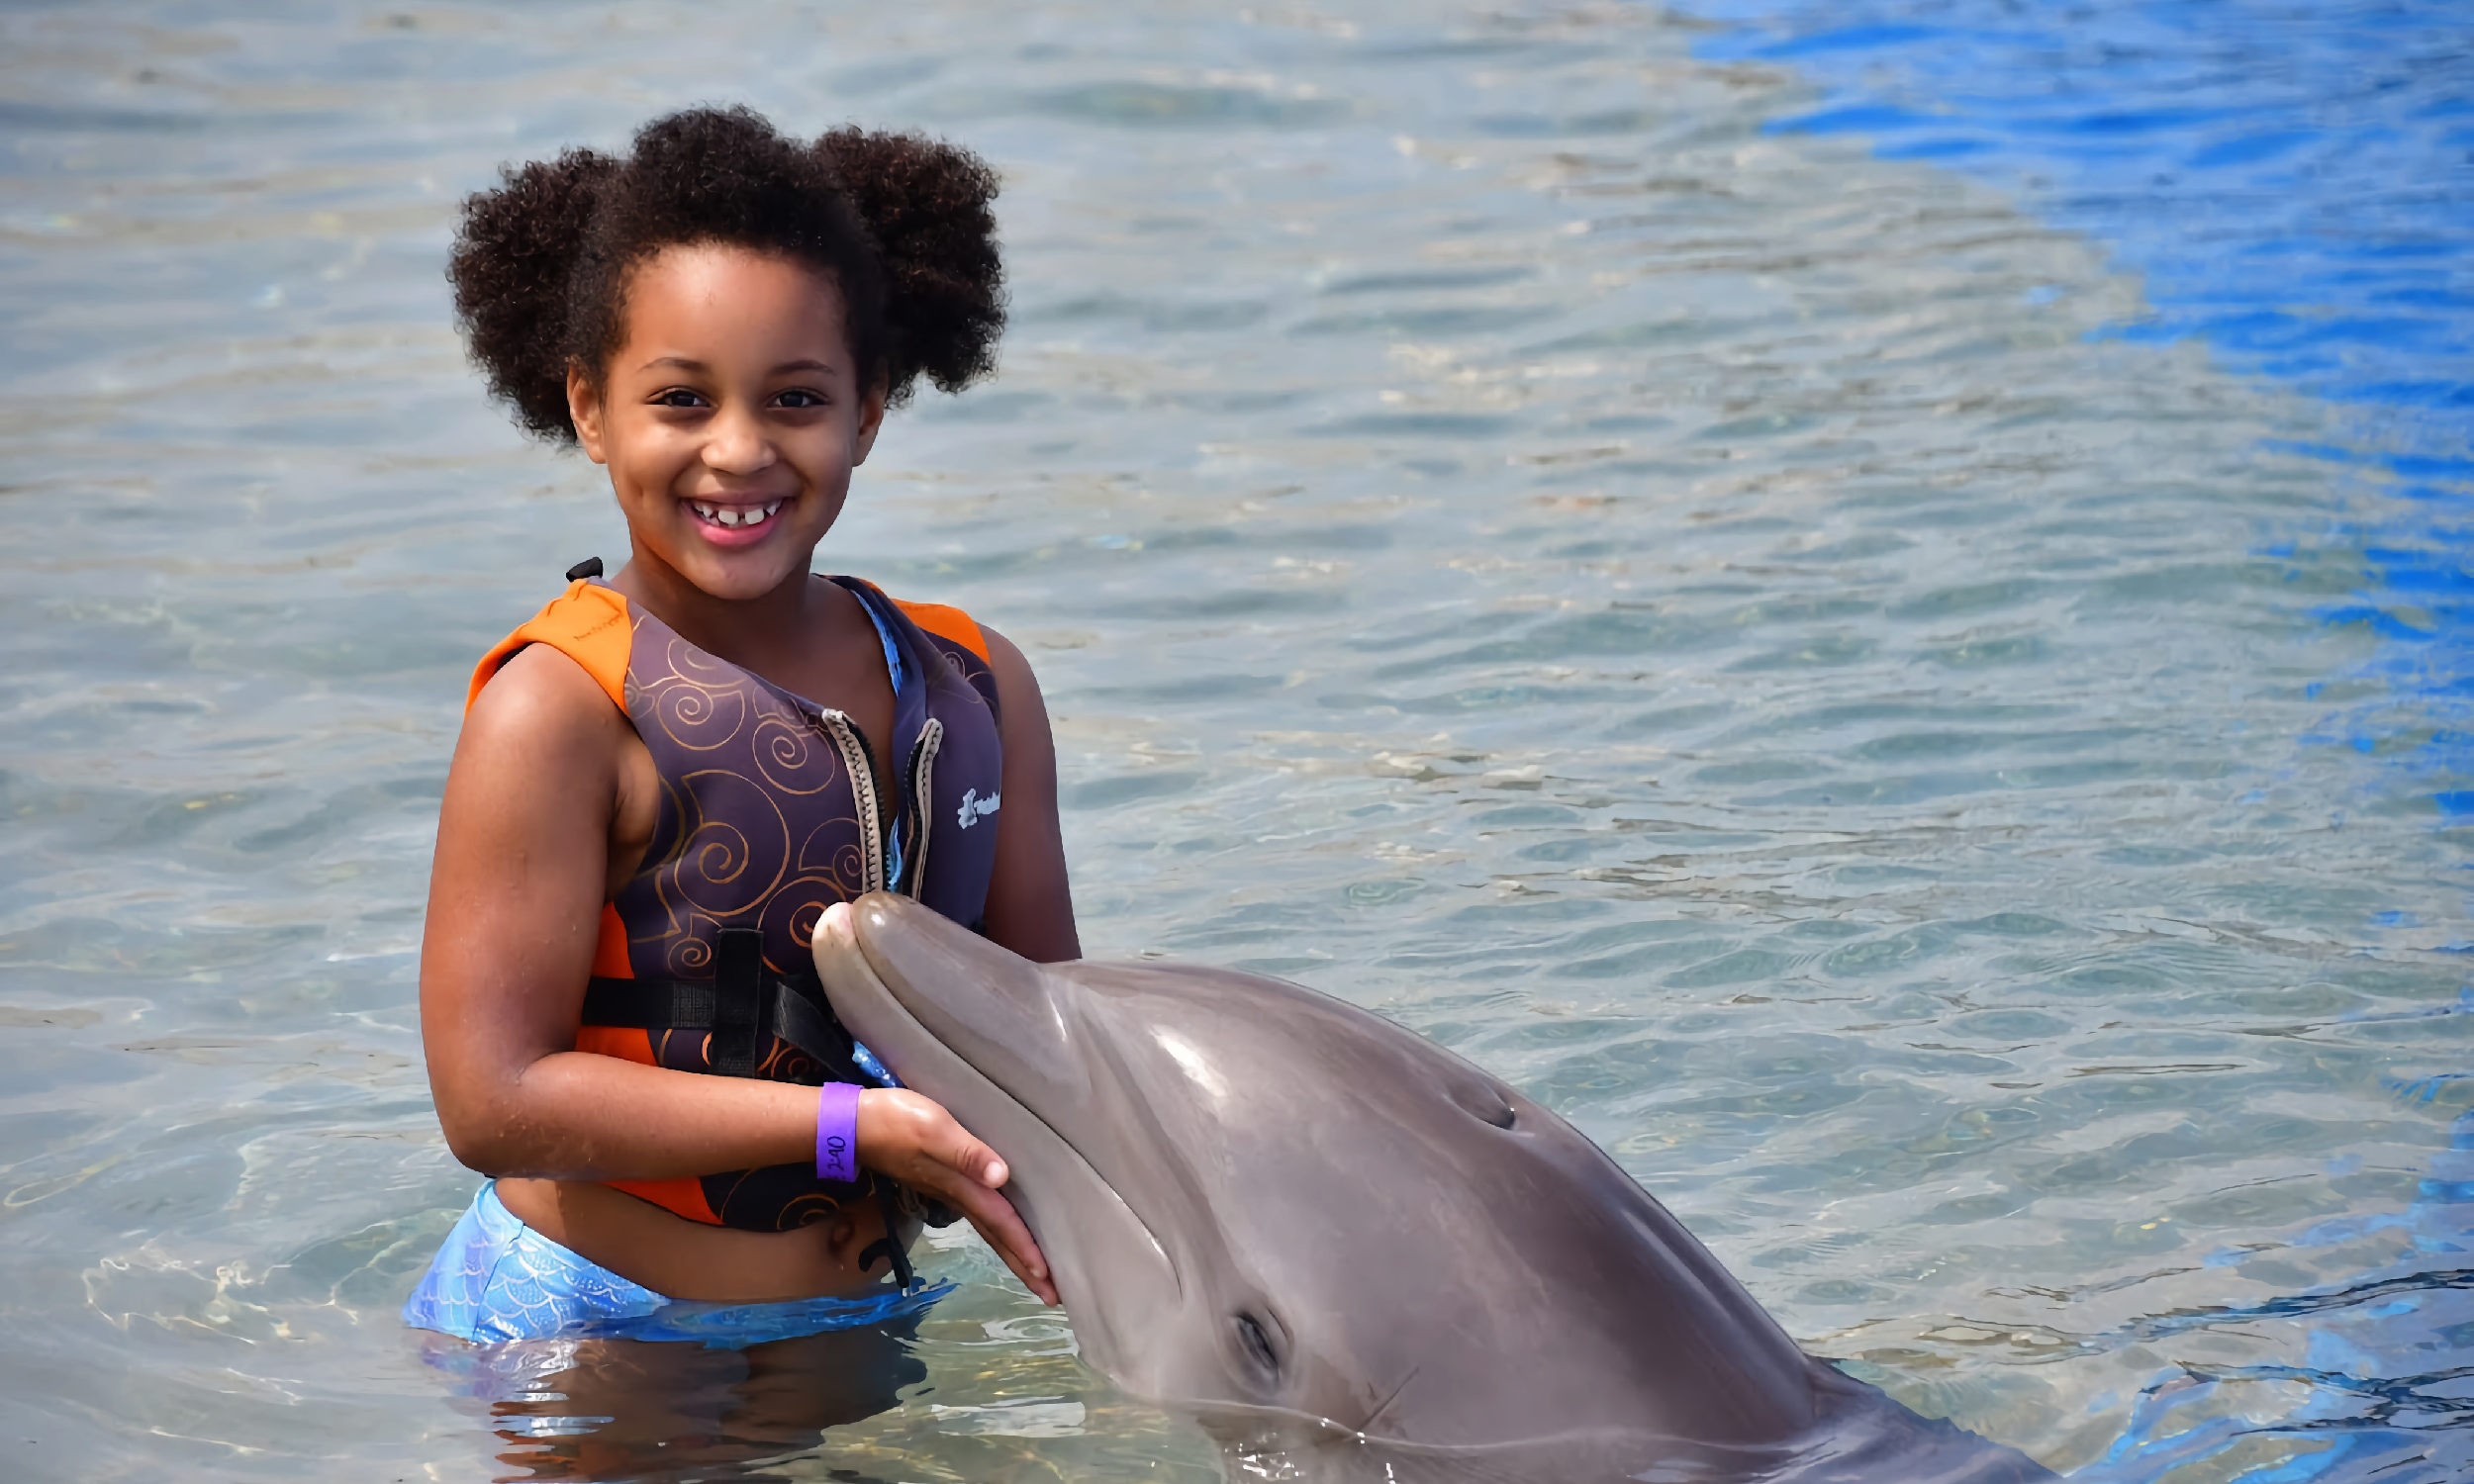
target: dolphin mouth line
<point>894,998</point>
<point>1335,1434</point>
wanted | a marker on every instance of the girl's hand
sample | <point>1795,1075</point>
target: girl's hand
<point>916,1140</point>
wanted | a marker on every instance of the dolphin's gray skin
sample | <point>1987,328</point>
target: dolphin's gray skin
<point>1350,1254</point>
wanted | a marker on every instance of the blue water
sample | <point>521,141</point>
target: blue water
<point>2292,182</point>
<point>2294,185</point>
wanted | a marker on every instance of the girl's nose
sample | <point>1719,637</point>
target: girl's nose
<point>737,443</point>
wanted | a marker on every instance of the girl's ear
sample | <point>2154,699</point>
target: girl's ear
<point>871,418</point>
<point>583,409</point>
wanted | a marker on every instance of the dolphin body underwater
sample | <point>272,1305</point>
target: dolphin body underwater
<point>1348,1254</point>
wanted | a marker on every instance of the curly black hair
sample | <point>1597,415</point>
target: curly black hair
<point>900,223</point>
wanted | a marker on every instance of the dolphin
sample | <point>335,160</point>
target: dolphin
<point>1348,1254</point>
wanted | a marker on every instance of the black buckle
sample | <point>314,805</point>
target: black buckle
<point>890,1245</point>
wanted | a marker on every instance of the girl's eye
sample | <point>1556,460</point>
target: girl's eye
<point>677,397</point>
<point>801,397</point>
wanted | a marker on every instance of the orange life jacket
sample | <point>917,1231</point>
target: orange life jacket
<point>769,813</point>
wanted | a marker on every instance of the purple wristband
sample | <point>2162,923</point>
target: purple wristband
<point>838,1132</point>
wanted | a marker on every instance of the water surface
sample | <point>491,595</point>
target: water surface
<point>1716,625</point>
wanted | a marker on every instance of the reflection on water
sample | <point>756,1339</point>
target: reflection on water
<point>2379,1387</point>
<point>1703,619</point>
<point>602,1409</point>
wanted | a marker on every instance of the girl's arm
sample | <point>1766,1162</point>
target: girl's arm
<point>1030,907</point>
<point>541,777</point>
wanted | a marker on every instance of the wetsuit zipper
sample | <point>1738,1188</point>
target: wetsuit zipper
<point>861,765</point>
<point>922,808</point>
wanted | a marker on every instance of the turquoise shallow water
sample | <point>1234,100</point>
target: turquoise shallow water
<point>1716,625</point>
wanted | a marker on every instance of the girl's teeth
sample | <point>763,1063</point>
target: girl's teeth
<point>731,518</point>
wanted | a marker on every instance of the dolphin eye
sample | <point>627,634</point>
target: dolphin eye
<point>1258,1345</point>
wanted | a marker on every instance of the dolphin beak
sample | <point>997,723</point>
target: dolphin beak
<point>978,1029</point>
<point>992,1008</point>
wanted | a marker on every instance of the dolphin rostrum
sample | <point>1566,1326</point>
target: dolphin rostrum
<point>1348,1254</point>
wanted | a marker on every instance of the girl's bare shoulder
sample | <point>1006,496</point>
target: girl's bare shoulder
<point>542,707</point>
<point>1013,670</point>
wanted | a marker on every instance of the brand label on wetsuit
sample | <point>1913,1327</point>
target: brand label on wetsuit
<point>974,808</point>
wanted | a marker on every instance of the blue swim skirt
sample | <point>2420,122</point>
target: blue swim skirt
<point>495,1279</point>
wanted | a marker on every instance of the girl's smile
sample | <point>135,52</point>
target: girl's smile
<point>729,524</point>
<point>731,418</point>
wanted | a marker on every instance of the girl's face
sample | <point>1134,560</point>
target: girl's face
<point>730,417</point>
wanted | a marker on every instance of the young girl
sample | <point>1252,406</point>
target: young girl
<point>665,779</point>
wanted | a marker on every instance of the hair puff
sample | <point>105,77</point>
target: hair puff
<point>513,261</point>
<point>927,204</point>
<point>900,224</point>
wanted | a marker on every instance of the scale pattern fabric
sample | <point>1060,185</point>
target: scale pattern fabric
<point>497,1279</point>
<point>497,1282</point>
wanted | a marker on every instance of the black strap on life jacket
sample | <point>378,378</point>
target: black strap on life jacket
<point>744,1009</point>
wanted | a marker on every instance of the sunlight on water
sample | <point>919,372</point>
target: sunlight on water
<point>1707,621</point>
